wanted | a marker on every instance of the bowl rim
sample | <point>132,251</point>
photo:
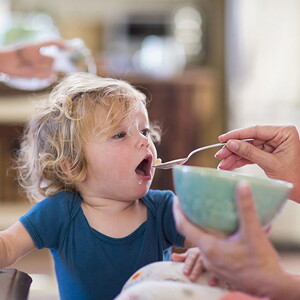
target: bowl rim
<point>232,175</point>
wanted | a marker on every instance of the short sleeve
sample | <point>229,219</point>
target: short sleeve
<point>47,221</point>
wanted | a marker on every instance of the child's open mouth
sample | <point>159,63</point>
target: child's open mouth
<point>143,169</point>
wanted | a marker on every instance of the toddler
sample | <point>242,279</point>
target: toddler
<point>88,154</point>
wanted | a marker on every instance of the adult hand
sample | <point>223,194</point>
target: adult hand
<point>246,260</point>
<point>27,61</point>
<point>276,149</point>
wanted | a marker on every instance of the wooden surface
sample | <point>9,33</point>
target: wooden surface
<point>9,144</point>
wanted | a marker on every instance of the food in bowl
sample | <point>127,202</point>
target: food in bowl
<point>207,197</point>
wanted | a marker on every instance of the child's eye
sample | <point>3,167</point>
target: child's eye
<point>120,135</point>
<point>145,131</point>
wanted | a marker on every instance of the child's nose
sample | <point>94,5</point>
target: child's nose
<point>143,141</point>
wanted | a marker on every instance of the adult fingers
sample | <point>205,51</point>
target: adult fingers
<point>261,132</point>
<point>262,145</point>
<point>233,162</point>
<point>251,153</point>
<point>249,223</point>
<point>224,152</point>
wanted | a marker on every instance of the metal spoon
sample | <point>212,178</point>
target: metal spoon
<point>180,161</point>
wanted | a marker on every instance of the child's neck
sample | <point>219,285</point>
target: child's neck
<point>115,219</point>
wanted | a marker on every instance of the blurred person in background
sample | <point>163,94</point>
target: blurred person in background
<point>25,60</point>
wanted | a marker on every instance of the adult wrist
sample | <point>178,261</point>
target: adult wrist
<point>295,195</point>
<point>285,287</point>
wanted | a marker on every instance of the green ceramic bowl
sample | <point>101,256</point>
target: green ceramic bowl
<point>207,196</point>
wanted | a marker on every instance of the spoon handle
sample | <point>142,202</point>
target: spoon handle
<point>212,146</point>
<point>205,147</point>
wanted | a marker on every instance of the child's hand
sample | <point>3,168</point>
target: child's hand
<point>193,266</point>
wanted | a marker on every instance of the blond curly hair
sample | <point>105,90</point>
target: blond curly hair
<point>62,122</point>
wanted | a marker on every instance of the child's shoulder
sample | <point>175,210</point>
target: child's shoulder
<point>65,196</point>
<point>60,201</point>
<point>158,194</point>
<point>156,198</point>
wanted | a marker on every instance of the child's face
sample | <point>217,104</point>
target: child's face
<point>120,167</point>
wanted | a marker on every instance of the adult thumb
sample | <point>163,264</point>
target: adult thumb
<point>249,223</point>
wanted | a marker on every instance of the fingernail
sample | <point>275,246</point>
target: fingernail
<point>244,188</point>
<point>219,167</point>
<point>217,153</point>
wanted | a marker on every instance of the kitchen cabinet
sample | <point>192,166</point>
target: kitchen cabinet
<point>9,143</point>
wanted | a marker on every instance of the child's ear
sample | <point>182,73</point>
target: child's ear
<point>66,167</point>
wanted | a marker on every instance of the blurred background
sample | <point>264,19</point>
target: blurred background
<point>207,66</point>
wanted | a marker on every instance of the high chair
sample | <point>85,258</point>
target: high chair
<point>14,284</point>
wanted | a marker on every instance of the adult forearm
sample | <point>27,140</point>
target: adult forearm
<point>8,60</point>
<point>295,195</point>
<point>290,290</point>
<point>285,287</point>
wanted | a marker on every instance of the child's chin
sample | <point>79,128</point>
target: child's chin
<point>143,190</point>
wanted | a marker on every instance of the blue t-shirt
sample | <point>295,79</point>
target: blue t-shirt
<point>88,264</point>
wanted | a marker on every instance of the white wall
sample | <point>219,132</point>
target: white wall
<point>263,76</point>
